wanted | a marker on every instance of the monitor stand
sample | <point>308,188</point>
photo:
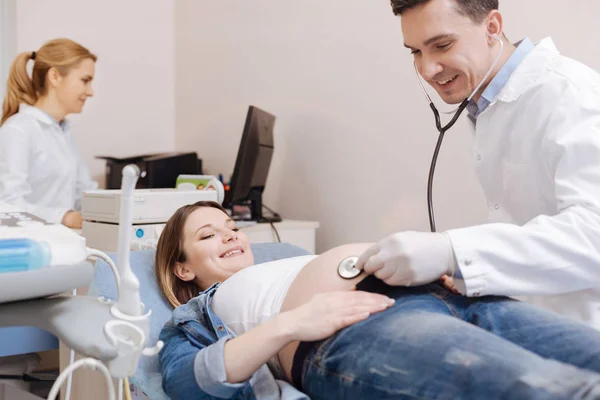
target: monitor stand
<point>254,202</point>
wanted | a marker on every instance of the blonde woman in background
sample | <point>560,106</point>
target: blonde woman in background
<point>41,171</point>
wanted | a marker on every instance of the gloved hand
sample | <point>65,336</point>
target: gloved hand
<point>409,258</point>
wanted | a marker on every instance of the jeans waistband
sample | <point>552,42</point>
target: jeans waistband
<point>370,284</point>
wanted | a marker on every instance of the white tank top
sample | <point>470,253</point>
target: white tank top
<point>255,294</point>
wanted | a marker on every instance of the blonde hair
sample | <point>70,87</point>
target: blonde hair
<point>61,54</point>
<point>169,252</point>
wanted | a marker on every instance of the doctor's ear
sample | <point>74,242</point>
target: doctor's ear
<point>183,272</point>
<point>53,77</point>
<point>494,26</point>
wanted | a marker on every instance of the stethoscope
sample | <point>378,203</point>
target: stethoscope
<point>443,129</point>
<point>346,267</point>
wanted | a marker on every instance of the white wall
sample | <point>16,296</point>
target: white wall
<point>133,110</point>
<point>7,40</point>
<point>354,135</point>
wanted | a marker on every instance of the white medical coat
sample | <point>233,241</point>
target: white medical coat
<point>40,169</point>
<point>537,157</point>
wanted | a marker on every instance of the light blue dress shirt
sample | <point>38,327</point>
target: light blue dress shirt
<point>497,84</point>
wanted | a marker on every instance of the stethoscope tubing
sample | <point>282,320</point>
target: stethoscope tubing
<point>443,129</point>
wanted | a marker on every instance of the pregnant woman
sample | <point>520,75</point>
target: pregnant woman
<point>293,328</point>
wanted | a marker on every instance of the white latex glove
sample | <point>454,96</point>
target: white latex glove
<point>409,258</point>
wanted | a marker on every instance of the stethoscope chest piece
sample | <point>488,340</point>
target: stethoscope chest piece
<point>346,268</point>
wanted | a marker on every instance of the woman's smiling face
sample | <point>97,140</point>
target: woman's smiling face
<point>214,248</point>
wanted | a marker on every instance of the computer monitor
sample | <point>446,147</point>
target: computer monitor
<point>252,165</point>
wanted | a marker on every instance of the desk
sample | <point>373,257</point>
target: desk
<point>298,233</point>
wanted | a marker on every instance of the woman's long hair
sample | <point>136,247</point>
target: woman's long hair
<point>169,252</point>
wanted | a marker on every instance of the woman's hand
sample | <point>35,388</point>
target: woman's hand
<point>319,318</point>
<point>327,313</point>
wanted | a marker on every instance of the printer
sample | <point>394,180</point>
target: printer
<point>158,170</point>
<point>152,208</point>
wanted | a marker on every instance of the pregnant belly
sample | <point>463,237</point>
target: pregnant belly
<point>318,276</point>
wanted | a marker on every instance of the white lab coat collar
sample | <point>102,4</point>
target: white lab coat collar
<point>43,117</point>
<point>527,74</point>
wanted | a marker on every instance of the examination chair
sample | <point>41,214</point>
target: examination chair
<point>147,378</point>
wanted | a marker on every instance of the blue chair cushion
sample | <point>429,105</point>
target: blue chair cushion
<point>147,377</point>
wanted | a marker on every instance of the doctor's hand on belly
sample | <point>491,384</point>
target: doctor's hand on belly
<point>409,258</point>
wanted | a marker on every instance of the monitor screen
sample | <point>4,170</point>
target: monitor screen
<point>252,163</point>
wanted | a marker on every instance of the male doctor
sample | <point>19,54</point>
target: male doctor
<point>536,154</point>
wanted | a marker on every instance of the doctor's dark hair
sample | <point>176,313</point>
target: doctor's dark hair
<point>477,10</point>
<point>169,252</point>
<point>61,54</point>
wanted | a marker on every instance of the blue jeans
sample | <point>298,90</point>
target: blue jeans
<point>432,344</point>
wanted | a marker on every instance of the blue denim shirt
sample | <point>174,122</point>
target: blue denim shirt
<point>192,360</point>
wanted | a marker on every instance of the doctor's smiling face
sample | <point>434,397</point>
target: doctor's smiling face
<point>450,43</point>
<point>73,86</point>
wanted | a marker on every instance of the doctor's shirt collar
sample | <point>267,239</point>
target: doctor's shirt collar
<point>43,116</point>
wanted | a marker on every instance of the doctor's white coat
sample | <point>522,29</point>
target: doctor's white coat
<point>41,171</point>
<point>537,156</point>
